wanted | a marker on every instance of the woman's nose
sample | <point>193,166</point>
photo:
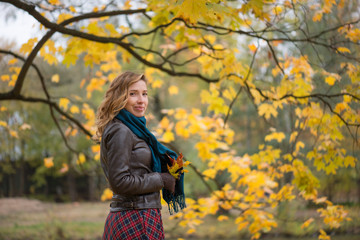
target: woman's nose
<point>140,99</point>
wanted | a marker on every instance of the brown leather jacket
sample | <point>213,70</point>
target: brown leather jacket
<point>126,161</point>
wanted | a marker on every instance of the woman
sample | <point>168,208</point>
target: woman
<point>134,163</point>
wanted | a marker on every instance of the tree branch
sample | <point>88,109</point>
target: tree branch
<point>61,29</point>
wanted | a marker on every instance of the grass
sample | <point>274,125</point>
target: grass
<point>32,219</point>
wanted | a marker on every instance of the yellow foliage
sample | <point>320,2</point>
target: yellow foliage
<point>278,136</point>
<point>12,61</point>
<point>55,2</point>
<point>343,50</point>
<point>3,124</point>
<point>307,223</point>
<point>164,123</point>
<point>13,133</point>
<point>330,80</point>
<point>81,159</point>
<point>317,16</point>
<point>48,162</point>
<point>267,110</point>
<point>106,195</point>
<point>157,83</point>
<point>64,16</point>
<point>192,10</point>
<point>64,102</point>
<point>28,46</point>
<point>168,137</point>
<point>252,48</point>
<point>74,109</point>
<point>323,235</point>
<point>5,78</point>
<point>333,215</point>
<point>55,78</point>
<point>173,90</point>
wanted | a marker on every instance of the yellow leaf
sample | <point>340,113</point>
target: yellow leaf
<point>74,109</point>
<point>277,10</point>
<point>14,133</point>
<point>107,194</point>
<point>55,78</point>
<point>323,235</point>
<point>190,231</point>
<point>164,123</point>
<point>69,59</point>
<point>2,109</point>
<point>180,114</point>
<point>48,162</point>
<point>127,5</point>
<point>81,159</point>
<point>347,98</point>
<point>349,160</point>
<point>278,136</point>
<point>330,80</point>
<point>64,102</point>
<point>252,48</point>
<point>210,173</point>
<point>317,17</point>
<point>5,78</point>
<point>192,10</point>
<point>229,94</point>
<point>293,136</point>
<point>54,2</point>
<point>72,9</point>
<point>3,124</point>
<point>299,145</point>
<point>27,47</point>
<point>157,84</point>
<point>307,223</point>
<point>168,137</point>
<point>267,110</point>
<point>12,61</point>
<point>343,49</point>
<point>95,148</point>
<point>173,90</point>
<point>222,218</point>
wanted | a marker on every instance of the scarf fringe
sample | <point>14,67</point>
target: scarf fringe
<point>176,204</point>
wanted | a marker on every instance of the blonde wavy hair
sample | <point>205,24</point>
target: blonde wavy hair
<point>115,99</point>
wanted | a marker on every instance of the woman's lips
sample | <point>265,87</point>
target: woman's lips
<point>139,109</point>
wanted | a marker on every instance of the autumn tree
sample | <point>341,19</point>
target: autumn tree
<point>294,63</point>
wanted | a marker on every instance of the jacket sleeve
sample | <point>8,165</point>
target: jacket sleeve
<point>119,144</point>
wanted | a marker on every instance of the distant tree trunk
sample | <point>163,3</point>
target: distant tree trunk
<point>22,170</point>
<point>358,189</point>
<point>71,185</point>
<point>92,186</point>
<point>248,128</point>
<point>330,183</point>
<point>11,185</point>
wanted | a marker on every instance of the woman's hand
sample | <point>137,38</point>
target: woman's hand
<point>169,181</point>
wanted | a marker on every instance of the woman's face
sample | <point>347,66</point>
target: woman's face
<point>137,99</point>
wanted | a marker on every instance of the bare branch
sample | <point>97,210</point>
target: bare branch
<point>60,28</point>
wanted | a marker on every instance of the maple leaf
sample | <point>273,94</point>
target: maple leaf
<point>177,166</point>
<point>192,10</point>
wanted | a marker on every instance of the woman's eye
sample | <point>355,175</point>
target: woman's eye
<point>144,94</point>
<point>132,94</point>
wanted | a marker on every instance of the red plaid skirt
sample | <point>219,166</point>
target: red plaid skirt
<point>142,224</point>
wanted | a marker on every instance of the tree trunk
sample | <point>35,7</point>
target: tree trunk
<point>91,186</point>
<point>71,184</point>
<point>22,170</point>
